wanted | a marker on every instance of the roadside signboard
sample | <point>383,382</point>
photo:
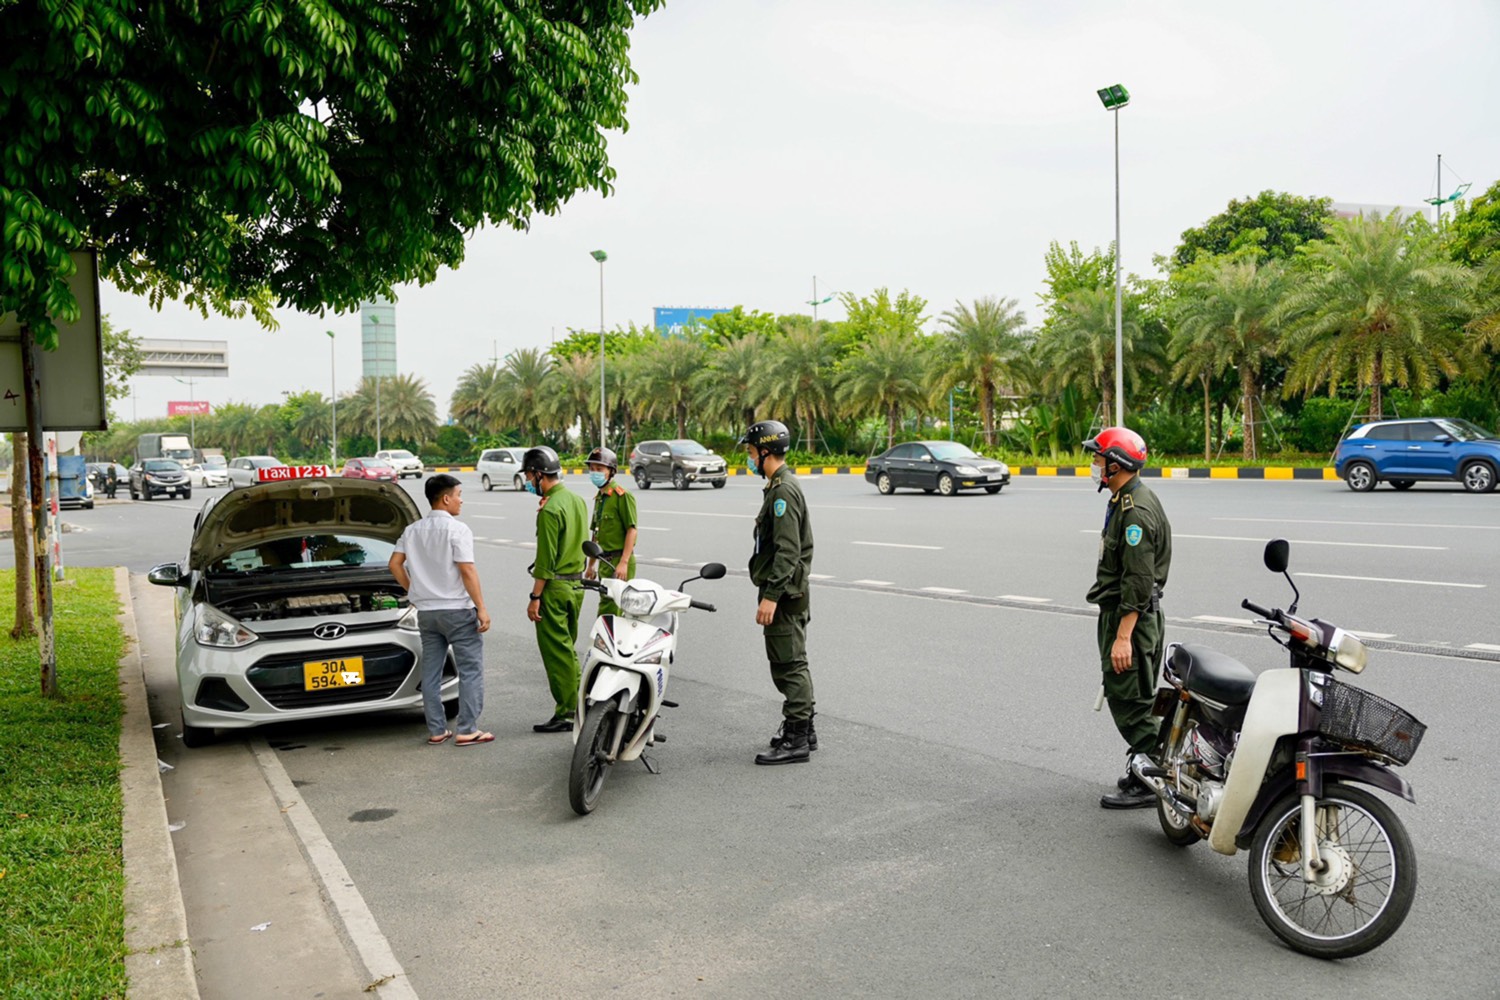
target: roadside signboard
<point>188,407</point>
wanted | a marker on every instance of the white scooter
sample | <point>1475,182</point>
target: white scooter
<point>623,682</point>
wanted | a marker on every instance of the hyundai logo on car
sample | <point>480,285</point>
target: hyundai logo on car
<point>330,630</point>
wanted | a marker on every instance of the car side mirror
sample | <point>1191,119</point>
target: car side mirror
<point>1444,438</point>
<point>166,575</point>
<point>926,458</point>
<point>1278,553</point>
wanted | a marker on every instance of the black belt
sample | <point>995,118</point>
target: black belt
<point>567,576</point>
<point>612,555</point>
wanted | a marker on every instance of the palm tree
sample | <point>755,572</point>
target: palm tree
<point>1199,361</point>
<point>573,394</point>
<point>797,377</point>
<point>667,374</point>
<point>983,346</point>
<point>472,404</point>
<point>884,376</point>
<point>234,427</point>
<point>1380,304</point>
<point>520,394</point>
<point>407,411</point>
<point>1228,312</point>
<point>311,421</point>
<point>1077,346</point>
<point>728,385</point>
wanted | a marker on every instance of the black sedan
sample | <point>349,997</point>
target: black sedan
<point>943,466</point>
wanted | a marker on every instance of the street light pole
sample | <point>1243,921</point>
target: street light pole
<point>601,257</point>
<point>333,396</point>
<point>1114,99</point>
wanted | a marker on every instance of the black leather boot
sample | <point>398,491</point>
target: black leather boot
<point>792,746</point>
<point>812,735</point>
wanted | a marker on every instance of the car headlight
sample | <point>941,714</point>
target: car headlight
<point>215,628</point>
<point>966,470</point>
<point>637,602</point>
<point>1004,469</point>
<point>1349,652</point>
<point>408,621</point>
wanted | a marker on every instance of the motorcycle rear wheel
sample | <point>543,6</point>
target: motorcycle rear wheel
<point>1368,891</point>
<point>587,773</point>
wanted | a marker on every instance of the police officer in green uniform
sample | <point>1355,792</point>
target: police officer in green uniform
<point>613,528</point>
<point>556,596</point>
<point>1135,554</point>
<point>779,568</point>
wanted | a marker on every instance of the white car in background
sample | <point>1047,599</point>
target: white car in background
<point>403,461</point>
<point>245,470</point>
<point>501,467</point>
<point>286,609</point>
<point>208,474</point>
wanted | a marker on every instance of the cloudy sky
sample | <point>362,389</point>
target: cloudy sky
<point>936,146</point>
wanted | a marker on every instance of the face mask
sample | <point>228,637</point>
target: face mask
<point>750,464</point>
<point>530,487</point>
<point>598,479</point>
<point>1096,473</point>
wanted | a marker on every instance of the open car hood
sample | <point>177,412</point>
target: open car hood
<point>269,511</point>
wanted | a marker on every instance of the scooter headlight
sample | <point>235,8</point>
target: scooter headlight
<point>1349,652</point>
<point>637,602</point>
<point>649,658</point>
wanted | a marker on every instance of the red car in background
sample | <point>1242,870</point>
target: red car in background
<point>369,468</point>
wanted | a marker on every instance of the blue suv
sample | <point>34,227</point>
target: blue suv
<point>1401,452</point>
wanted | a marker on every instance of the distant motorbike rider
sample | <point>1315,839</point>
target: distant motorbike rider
<point>1135,555</point>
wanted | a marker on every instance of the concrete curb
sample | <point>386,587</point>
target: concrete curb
<point>1275,472</point>
<point>158,955</point>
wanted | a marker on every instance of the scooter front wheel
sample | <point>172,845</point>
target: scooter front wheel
<point>1363,893</point>
<point>591,757</point>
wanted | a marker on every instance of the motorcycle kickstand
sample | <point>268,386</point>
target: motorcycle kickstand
<point>650,765</point>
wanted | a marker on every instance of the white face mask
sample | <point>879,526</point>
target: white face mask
<point>1096,473</point>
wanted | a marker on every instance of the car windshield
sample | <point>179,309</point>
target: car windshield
<point>377,463</point>
<point>265,463</point>
<point>401,454</point>
<point>949,450</point>
<point>688,448</point>
<point>161,465</point>
<point>1462,430</point>
<point>215,462</point>
<point>305,553</point>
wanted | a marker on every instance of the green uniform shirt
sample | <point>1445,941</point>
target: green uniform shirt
<point>561,521</point>
<point>783,539</point>
<point>614,515</point>
<point>1135,550</point>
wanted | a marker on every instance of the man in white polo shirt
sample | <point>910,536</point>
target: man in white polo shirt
<point>434,562</point>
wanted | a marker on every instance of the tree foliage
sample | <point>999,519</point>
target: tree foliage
<point>309,154</point>
<point>1271,224</point>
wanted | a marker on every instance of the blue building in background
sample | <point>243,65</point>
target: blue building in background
<point>672,320</point>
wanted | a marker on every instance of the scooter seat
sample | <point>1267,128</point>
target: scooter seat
<point>1213,675</point>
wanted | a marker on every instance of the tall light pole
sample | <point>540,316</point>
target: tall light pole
<point>815,301</point>
<point>192,414</point>
<point>378,380</point>
<point>333,396</point>
<point>1114,99</point>
<point>601,257</point>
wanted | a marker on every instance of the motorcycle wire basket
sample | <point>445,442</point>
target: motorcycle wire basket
<point>1357,718</point>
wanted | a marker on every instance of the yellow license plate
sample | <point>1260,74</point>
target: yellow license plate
<point>324,675</point>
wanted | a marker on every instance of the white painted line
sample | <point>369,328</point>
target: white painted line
<point>528,545</point>
<point>642,527</point>
<point>943,590</point>
<point>1373,635</point>
<point>1384,579</point>
<point>1486,646</point>
<point>701,513</point>
<point>876,583</point>
<point>359,923</point>
<point>489,517</point>
<point>819,576</point>
<point>1249,622</point>
<point>901,545</point>
<point>1295,541</point>
<point>666,559</point>
<point>1025,600</point>
<point>1365,524</point>
<point>833,506</point>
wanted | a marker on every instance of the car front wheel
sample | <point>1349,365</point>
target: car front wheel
<point>485,482</point>
<point>1478,477</point>
<point>679,480</point>
<point>946,485</point>
<point>1360,477</point>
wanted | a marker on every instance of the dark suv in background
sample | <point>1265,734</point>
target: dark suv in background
<point>1403,452</point>
<point>157,477</point>
<point>681,462</point>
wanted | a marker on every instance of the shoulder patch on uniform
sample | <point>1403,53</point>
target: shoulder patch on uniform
<point>1127,502</point>
<point>779,507</point>
<point>1133,534</point>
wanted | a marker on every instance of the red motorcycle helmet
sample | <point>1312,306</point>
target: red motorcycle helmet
<point>1119,445</point>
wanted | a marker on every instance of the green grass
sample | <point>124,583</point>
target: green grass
<point>62,892</point>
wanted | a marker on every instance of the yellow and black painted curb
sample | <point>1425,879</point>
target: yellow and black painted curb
<point>1275,472</point>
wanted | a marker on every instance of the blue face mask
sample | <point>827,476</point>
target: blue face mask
<point>599,479</point>
<point>751,465</point>
<point>530,487</point>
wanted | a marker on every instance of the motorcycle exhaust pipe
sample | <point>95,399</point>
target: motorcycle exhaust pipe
<point>1153,777</point>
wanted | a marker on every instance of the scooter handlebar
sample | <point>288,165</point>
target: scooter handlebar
<point>702,605</point>
<point>1250,605</point>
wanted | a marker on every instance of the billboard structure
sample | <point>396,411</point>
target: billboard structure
<point>673,320</point>
<point>377,329</point>
<point>71,377</point>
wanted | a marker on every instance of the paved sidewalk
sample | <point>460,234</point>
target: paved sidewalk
<point>258,921</point>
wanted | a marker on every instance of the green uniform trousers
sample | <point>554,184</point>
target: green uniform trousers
<point>606,606</point>
<point>1130,694</point>
<point>786,648</point>
<point>557,639</point>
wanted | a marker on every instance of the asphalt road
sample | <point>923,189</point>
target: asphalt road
<point>945,841</point>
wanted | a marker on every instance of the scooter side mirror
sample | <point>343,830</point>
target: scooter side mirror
<point>1278,552</point>
<point>712,571</point>
<point>592,550</point>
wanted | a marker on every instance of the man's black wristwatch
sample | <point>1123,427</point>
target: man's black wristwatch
<point>534,597</point>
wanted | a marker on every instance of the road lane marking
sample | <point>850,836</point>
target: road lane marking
<point>699,513</point>
<point>1487,647</point>
<point>819,576</point>
<point>1024,600</point>
<point>875,583</point>
<point>1365,524</point>
<point>488,517</point>
<point>1297,541</point>
<point>901,545</point>
<point>1249,622</point>
<point>943,590</point>
<point>642,527</point>
<point>1372,635</point>
<point>667,559</point>
<point>1386,579</point>
<point>832,506</point>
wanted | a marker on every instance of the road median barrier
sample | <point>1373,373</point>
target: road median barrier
<point>1275,472</point>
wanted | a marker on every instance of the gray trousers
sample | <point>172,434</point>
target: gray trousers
<point>458,628</point>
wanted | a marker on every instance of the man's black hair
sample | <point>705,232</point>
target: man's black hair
<point>437,485</point>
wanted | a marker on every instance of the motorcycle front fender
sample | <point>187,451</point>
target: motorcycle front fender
<point>1273,712</point>
<point>1321,770</point>
<point>608,683</point>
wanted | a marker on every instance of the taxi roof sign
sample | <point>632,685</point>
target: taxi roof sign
<point>283,473</point>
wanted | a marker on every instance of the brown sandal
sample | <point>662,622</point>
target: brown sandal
<point>444,737</point>
<point>473,739</point>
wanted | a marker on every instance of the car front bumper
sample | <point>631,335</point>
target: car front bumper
<point>703,476</point>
